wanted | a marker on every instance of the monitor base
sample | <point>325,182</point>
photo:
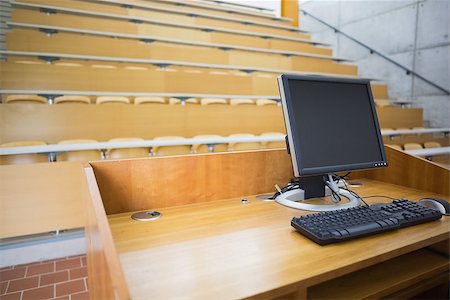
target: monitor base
<point>294,198</point>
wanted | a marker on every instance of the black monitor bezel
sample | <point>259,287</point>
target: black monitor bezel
<point>293,143</point>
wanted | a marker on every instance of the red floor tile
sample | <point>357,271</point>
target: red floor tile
<point>64,279</point>
<point>3,286</point>
<point>80,296</point>
<point>53,278</point>
<point>68,264</point>
<point>12,274</point>
<point>70,287</point>
<point>78,273</point>
<point>43,268</point>
<point>84,261</point>
<point>23,284</point>
<point>45,292</point>
<point>6,268</point>
<point>13,296</point>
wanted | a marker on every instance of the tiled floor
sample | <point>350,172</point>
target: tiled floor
<point>63,278</point>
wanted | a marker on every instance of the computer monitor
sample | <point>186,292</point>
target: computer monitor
<point>331,126</point>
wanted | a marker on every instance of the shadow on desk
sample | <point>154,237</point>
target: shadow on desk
<point>207,244</point>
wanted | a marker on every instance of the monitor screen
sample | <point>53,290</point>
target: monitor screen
<point>331,124</point>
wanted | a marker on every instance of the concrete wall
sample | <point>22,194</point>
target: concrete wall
<point>414,33</point>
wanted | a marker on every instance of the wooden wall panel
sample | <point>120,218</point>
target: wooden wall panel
<point>59,204</point>
<point>130,185</point>
<point>22,15</point>
<point>123,26</point>
<point>296,46</point>
<point>395,117</point>
<point>52,123</point>
<point>380,91</point>
<point>160,15</point>
<point>34,41</point>
<point>224,12</point>
<point>25,73</point>
<point>83,5</point>
<point>105,76</point>
<point>252,28</point>
<point>325,66</point>
<point>412,171</point>
<point>149,183</point>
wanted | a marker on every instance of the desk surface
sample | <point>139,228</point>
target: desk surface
<point>225,249</point>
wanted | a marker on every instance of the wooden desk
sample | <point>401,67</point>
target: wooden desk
<point>204,247</point>
<point>228,250</point>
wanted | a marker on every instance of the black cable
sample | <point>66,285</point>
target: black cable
<point>376,196</point>
<point>289,187</point>
<point>334,194</point>
<point>345,175</point>
<point>350,191</point>
<point>391,198</point>
<point>355,195</point>
<point>294,184</point>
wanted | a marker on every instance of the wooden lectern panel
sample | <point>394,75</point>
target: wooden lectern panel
<point>412,171</point>
<point>130,185</point>
<point>106,279</point>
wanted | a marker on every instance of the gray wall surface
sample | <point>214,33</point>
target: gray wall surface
<point>414,33</point>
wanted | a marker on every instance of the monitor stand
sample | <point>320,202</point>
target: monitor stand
<point>313,187</point>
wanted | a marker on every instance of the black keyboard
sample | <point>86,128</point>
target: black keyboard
<point>340,225</point>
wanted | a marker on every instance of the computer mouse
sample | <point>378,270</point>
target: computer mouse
<point>436,203</point>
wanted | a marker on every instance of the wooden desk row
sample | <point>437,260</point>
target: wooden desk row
<point>130,49</point>
<point>115,9</point>
<point>163,28</point>
<point>53,123</point>
<point>208,244</point>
